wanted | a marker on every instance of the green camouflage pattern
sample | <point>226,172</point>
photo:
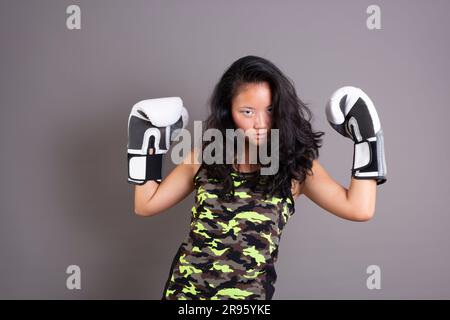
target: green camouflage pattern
<point>232,245</point>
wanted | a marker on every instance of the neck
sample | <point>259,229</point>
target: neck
<point>246,166</point>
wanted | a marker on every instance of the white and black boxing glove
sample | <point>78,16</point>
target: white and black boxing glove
<point>152,126</point>
<point>352,113</point>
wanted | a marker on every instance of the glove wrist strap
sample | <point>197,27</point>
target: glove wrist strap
<point>369,160</point>
<point>142,168</point>
<point>153,167</point>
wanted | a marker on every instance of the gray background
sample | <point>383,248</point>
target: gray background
<point>65,100</point>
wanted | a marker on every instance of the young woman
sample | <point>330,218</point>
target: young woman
<point>239,215</point>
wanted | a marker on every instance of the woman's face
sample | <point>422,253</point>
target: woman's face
<point>251,109</point>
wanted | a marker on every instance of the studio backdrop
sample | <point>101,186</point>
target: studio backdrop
<point>72,70</point>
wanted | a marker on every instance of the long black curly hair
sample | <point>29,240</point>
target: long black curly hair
<point>298,144</point>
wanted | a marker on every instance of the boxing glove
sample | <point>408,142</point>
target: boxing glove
<point>152,126</point>
<point>352,113</point>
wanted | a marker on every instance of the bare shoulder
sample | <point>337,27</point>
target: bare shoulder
<point>299,188</point>
<point>193,160</point>
<point>296,188</point>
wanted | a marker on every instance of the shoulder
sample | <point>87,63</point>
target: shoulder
<point>298,188</point>
<point>193,160</point>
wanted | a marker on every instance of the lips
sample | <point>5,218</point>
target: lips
<point>260,136</point>
<point>261,133</point>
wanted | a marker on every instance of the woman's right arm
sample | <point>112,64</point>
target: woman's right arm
<point>152,198</point>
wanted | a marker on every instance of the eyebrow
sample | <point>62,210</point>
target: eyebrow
<point>245,106</point>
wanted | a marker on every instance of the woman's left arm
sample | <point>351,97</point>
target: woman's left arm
<point>357,203</point>
<point>352,114</point>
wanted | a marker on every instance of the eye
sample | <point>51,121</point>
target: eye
<point>247,112</point>
<point>270,109</point>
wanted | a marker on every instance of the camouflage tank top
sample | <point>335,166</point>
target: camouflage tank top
<point>232,246</point>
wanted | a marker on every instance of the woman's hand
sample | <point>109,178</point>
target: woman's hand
<point>352,113</point>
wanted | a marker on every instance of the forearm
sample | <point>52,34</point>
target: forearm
<point>362,196</point>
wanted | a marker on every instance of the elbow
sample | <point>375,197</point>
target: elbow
<point>363,215</point>
<point>138,212</point>
<point>142,213</point>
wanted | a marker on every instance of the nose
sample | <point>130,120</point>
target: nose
<point>262,121</point>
